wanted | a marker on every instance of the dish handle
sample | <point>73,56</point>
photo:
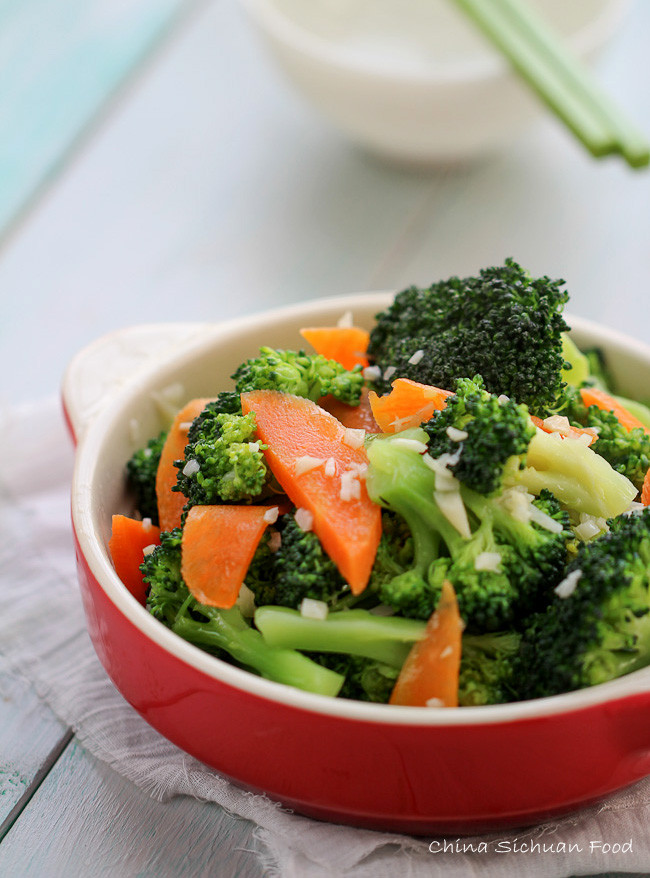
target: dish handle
<point>106,366</point>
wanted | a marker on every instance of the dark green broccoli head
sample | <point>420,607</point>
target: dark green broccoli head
<point>223,461</point>
<point>141,472</point>
<point>310,376</point>
<point>394,552</point>
<point>397,578</point>
<point>502,324</point>
<point>166,591</point>
<point>598,626</point>
<point>365,679</point>
<point>534,551</point>
<point>527,544</point>
<point>488,598</point>
<point>410,594</point>
<point>488,668</point>
<point>204,426</point>
<point>481,433</point>
<point>292,565</point>
<point>261,576</point>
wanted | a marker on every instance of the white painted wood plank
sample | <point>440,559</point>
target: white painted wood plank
<point>59,63</point>
<point>29,733</point>
<point>85,820</point>
<point>216,187</point>
<point>212,193</point>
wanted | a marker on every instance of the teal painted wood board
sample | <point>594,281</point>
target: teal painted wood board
<point>60,61</point>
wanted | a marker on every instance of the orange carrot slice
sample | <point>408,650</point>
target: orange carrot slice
<point>217,547</point>
<point>358,417</point>
<point>573,431</point>
<point>408,404</point>
<point>429,676</point>
<point>129,539</point>
<point>298,431</point>
<point>645,490</point>
<point>170,503</point>
<point>605,401</point>
<point>345,344</point>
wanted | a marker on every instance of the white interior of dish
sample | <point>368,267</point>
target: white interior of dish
<point>203,368</point>
<point>418,38</point>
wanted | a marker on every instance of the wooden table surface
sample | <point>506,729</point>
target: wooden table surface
<point>154,166</point>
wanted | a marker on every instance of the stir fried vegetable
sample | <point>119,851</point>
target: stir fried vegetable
<point>448,509</point>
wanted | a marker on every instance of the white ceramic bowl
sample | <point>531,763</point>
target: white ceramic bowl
<point>413,80</point>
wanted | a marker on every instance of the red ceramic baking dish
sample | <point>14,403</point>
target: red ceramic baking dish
<point>415,770</point>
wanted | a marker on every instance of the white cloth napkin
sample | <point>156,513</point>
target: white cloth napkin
<point>36,559</point>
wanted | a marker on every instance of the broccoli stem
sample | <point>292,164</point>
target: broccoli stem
<point>579,478</point>
<point>227,630</point>
<point>400,480</point>
<point>387,639</point>
<point>493,515</point>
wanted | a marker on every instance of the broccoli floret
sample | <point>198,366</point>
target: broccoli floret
<point>162,570</point>
<point>530,558</point>
<point>502,324</point>
<point>310,376</point>
<point>224,633</point>
<point>534,544</point>
<point>297,567</point>
<point>488,668</point>
<point>260,576</point>
<point>395,554</point>
<point>412,594</point>
<point>223,461</point>
<point>498,447</point>
<point>141,471</point>
<point>465,484</point>
<point>375,680</point>
<point>290,564</point>
<point>598,626</point>
<point>303,569</point>
<point>499,552</point>
<point>488,598</point>
<point>227,403</point>
<point>365,679</point>
<point>480,432</point>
